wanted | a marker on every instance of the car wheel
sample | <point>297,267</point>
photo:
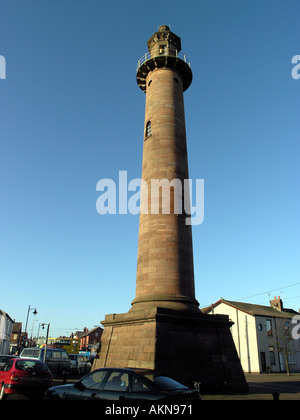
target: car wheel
<point>3,396</point>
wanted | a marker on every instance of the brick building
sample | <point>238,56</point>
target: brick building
<point>91,338</point>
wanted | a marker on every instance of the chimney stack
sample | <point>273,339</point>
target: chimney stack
<point>277,303</point>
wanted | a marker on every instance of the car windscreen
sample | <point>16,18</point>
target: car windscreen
<point>167,383</point>
<point>31,353</point>
<point>30,365</point>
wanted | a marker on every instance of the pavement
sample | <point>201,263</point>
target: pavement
<point>263,386</point>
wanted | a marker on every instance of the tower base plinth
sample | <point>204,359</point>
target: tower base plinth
<point>185,346</point>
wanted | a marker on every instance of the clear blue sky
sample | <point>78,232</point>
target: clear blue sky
<point>71,114</point>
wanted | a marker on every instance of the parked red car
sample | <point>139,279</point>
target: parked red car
<point>25,376</point>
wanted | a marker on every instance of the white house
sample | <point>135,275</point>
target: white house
<point>6,326</point>
<point>262,335</point>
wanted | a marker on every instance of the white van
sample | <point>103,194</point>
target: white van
<point>57,360</point>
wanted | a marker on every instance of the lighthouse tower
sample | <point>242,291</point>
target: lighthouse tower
<point>164,330</point>
<point>165,273</point>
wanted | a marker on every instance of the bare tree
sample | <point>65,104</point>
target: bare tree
<point>283,338</point>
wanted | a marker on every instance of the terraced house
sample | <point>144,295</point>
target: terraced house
<point>262,335</point>
<point>6,325</point>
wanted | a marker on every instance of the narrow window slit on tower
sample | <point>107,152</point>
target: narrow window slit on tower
<point>148,129</point>
<point>162,49</point>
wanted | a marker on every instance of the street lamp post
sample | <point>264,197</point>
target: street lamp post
<point>38,333</point>
<point>35,320</point>
<point>25,336</point>
<point>34,313</point>
<point>45,349</point>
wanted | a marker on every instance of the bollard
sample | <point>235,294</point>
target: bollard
<point>64,377</point>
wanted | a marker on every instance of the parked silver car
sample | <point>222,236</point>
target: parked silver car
<point>80,363</point>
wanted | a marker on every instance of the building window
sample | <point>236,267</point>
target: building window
<point>291,358</point>
<point>162,50</point>
<point>269,327</point>
<point>272,356</point>
<point>148,129</point>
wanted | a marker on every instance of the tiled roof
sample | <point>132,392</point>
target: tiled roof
<point>253,309</point>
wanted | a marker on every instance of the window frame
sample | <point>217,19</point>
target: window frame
<point>148,129</point>
<point>162,49</point>
<point>272,355</point>
<point>269,330</point>
<point>123,377</point>
<point>134,380</point>
<point>96,385</point>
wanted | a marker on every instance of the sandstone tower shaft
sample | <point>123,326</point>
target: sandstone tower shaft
<point>165,273</point>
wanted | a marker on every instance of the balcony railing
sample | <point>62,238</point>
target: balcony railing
<point>166,53</point>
